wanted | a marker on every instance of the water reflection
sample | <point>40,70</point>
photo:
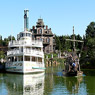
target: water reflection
<point>57,84</point>
<point>72,84</point>
<point>52,83</point>
<point>33,84</point>
<point>23,84</point>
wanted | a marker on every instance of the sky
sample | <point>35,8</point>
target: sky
<point>59,15</point>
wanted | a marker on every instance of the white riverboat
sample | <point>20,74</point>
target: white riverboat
<point>25,55</point>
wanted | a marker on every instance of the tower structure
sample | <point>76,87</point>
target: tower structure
<point>26,20</point>
<point>43,33</point>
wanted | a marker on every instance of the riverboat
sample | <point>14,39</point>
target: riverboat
<point>25,55</point>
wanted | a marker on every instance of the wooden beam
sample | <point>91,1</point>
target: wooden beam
<point>74,40</point>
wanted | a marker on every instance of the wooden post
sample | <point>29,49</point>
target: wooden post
<point>74,40</point>
<point>51,62</point>
<point>47,57</point>
<point>52,56</point>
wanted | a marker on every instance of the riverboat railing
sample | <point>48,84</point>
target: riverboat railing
<point>25,51</point>
<point>26,42</point>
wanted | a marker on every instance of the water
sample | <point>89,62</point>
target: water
<point>49,83</point>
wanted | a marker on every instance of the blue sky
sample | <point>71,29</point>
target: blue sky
<point>59,15</point>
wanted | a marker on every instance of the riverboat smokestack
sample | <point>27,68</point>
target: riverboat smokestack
<point>26,20</point>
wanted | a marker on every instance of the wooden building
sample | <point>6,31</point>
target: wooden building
<point>42,32</point>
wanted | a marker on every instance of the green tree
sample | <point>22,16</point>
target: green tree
<point>1,42</point>
<point>2,55</point>
<point>90,31</point>
<point>88,55</point>
<point>79,45</point>
<point>11,38</point>
<point>58,43</point>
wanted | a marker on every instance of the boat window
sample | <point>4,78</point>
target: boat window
<point>28,34</point>
<point>20,58</point>
<point>34,58</point>
<point>21,34</point>
<point>18,36</point>
<point>15,58</point>
<point>21,49</point>
<point>39,59</point>
<point>27,58</point>
<point>12,59</point>
<point>9,59</point>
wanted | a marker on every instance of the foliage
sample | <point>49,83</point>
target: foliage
<point>2,56</point>
<point>50,55</point>
<point>88,55</point>
<point>90,31</point>
<point>4,43</point>
<point>63,45</point>
<point>6,40</point>
<point>11,38</point>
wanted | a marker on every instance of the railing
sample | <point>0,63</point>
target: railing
<point>26,51</point>
<point>37,42</point>
<point>26,42</point>
<point>34,52</point>
<point>13,52</point>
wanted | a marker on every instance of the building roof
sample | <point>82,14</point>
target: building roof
<point>40,23</point>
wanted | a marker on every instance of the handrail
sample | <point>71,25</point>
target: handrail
<point>26,51</point>
<point>25,42</point>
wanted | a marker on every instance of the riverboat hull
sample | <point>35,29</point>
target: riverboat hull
<point>25,67</point>
<point>24,72</point>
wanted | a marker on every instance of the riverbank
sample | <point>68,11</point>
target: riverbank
<point>88,66</point>
<point>53,60</point>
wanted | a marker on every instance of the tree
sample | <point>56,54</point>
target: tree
<point>79,45</point>
<point>90,31</point>
<point>90,37</point>
<point>5,42</point>
<point>58,44</point>
<point>11,38</point>
<point>1,42</point>
<point>88,55</point>
<point>2,56</point>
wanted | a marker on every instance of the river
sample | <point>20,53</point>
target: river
<point>49,83</point>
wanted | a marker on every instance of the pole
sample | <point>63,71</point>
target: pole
<point>74,40</point>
